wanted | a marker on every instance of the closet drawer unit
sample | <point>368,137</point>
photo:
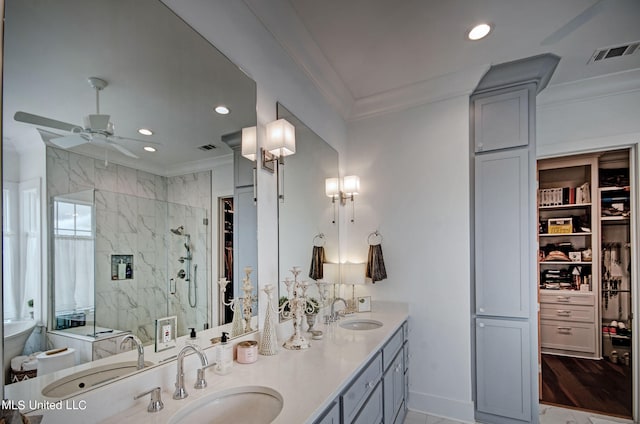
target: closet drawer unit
<point>362,386</point>
<point>568,298</point>
<point>575,336</point>
<point>569,312</point>
<point>392,347</point>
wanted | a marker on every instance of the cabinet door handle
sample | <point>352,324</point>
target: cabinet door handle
<point>481,310</point>
<point>481,325</point>
<point>563,299</point>
<point>370,384</point>
<point>564,329</point>
<point>397,368</point>
<point>563,313</point>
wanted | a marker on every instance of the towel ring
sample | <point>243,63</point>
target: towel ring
<point>322,240</point>
<point>374,234</point>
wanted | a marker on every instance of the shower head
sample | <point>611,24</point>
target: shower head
<point>178,231</point>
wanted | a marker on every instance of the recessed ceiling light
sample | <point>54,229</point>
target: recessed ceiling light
<point>479,31</point>
<point>149,148</point>
<point>222,110</point>
<point>145,131</point>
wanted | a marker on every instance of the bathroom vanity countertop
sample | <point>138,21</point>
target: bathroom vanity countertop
<point>308,380</point>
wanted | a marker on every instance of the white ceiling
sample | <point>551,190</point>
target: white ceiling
<point>162,75</point>
<point>386,50</point>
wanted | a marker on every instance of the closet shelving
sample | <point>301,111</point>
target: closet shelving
<point>568,259</point>
<point>616,253</point>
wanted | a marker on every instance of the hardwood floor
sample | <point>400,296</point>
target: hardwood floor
<point>593,385</point>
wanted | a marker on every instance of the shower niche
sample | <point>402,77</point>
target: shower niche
<point>121,267</point>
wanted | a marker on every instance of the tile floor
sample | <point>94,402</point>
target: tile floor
<point>548,415</point>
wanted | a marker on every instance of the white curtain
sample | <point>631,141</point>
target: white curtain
<point>73,273</point>
<point>31,281</point>
<point>9,279</point>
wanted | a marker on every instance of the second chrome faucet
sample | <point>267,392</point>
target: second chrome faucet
<point>201,383</point>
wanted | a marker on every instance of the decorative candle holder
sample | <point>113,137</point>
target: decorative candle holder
<point>295,307</point>
<point>248,299</point>
<point>237,327</point>
<point>269,340</point>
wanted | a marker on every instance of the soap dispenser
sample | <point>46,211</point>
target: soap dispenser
<point>193,338</point>
<point>224,356</point>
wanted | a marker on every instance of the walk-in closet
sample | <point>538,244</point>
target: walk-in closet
<point>586,281</point>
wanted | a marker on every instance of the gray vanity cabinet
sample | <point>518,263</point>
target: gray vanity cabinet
<point>378,394</point>
<point>394,389</point>
<point>331,415</point>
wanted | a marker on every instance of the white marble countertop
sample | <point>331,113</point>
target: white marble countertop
<point>308,380</point>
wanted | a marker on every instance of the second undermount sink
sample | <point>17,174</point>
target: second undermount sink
<point>361,324</point>
<point>85,380</point>
<point>248,404</point>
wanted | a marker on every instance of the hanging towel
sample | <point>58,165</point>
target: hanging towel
<point>317,259</point>
<point>375,264</point>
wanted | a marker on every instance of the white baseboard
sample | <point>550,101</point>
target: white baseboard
<point>442,407</point>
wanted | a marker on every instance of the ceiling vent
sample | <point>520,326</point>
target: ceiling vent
<point>610,52</point>
<point>207,147</point>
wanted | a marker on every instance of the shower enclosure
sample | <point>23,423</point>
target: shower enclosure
<point>163,240</point>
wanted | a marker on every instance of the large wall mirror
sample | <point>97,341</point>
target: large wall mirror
<point>101,235</point>
<point>307,218</point>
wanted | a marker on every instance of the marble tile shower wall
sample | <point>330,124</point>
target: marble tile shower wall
<point>134,217</point>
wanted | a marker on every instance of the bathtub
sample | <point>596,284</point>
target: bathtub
<point>16,333</point>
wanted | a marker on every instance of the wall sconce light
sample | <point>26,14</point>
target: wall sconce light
<point>249,143</point>
<point>281,142</point>
<point>248,150</point>
<point>350,188</point>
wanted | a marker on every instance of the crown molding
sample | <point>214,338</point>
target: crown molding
<point>590,88</point>
<point>284,24</point>
<point>429,91</point>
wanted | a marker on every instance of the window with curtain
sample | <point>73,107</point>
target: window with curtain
<point>74,259</point>
<point>10,251</point>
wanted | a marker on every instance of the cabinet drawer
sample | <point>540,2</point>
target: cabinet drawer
<point>576,336</point>
<point>371,412</point>
<point>568,298</point>
<point>391,348</point>
<point>567,312</point>
<point>360,389</point>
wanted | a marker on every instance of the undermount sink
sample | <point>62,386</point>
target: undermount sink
<point>84,380</point>
<point>248,404</point>
<point>361,324</point>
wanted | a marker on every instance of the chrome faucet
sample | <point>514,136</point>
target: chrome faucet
<point>334,314</point>
<point>138,343</point>
<point>181,392</point>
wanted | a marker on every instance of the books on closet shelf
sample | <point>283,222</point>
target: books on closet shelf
<point>560,196</point>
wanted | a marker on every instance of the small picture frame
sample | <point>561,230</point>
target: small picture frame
<point>364,304</point>
<point>575,256</point>
<point>166,329</point>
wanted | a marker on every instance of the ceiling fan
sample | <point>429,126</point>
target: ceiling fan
<point>97,130</point>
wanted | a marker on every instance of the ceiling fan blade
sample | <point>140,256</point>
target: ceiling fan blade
<point>122,149</point>
<point>29,118</point>
<point>106,142</point>
<point>68,141</point>
<point>136,139</point>
<point>582,18</point>
<point>48,135</point>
